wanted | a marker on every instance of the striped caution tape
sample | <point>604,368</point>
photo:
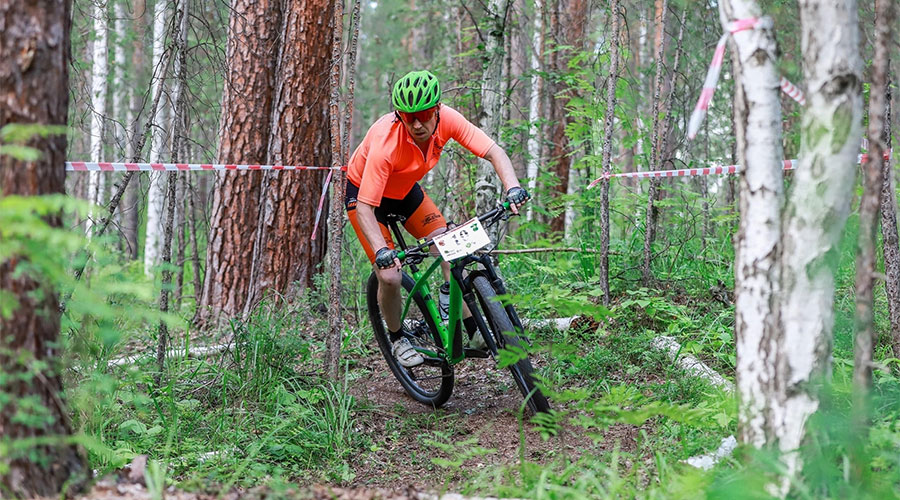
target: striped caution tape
<point>82,166</point>
<point>715,67</point>
<point>793,91</point>
<point>714,170</point>
<point>682,172</point>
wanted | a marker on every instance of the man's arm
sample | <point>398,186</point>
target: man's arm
<point>503,166</point>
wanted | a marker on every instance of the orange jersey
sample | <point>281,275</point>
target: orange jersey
<point>388,162</point>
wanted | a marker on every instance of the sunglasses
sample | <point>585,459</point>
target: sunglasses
<point>423,116</point>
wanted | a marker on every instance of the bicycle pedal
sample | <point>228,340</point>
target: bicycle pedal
<point>476,353</point>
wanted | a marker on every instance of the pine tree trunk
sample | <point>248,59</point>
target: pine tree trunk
<point>890,239</point>
<point>609,120</point>
<point>569,30</point>
<point>300,136</point>
<point>166,260</point>
<point>757,126</point>
<point>139,27</point>
<point>181,236</point>
<point>336,212</point>
<point>873,183</point>
<point>179,141</point>
<point>816,212</point>
<point>34,60</point>
<point>133,200</point>
<point>195,247</point>
<point>171,196</point>
<point>253,35</point>
<point>130,222</point>
<point>651,212</point>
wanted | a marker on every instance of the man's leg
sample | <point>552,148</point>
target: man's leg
<point>389,283</point>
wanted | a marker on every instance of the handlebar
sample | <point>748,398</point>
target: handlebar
<point>488,218</point>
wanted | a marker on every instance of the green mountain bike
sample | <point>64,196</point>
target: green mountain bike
<point>475,281</point>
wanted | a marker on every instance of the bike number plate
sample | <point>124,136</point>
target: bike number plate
<point>462,240</point>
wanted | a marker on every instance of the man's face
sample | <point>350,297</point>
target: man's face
<point>420,124</point>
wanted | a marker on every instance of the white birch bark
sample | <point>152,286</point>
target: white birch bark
<point>534,106</point>
<point>571,190</point>
<point>816,212</point>
<point>488,187</point>
<point>757,122</point>
<point>156,193</point>
<point>121,95</point>
<point>99,70</point>
<point>121,91</point>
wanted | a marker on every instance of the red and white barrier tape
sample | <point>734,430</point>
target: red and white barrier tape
<point>81,166</point>
<point>321,204</point>
<point>682,172</point>
<point>715,67</point>
<point>715,170</point>
<point>793,91</point>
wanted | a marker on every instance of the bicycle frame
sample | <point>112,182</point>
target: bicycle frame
<point>460,291</point>
<point>449,333</point>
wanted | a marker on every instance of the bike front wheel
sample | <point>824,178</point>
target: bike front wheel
<point>430,383</point>
<point>504,335</point>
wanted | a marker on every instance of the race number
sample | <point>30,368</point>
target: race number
<point>462,240</point>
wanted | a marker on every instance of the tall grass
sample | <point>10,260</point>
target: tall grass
<point>257,410</point>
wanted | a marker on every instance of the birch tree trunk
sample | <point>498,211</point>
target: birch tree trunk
<point>608,122</point>
<point>121,92</point>
<point>488,187</point>
<point>156,193</point>
<point>873,183</point>
<point>99,70</point>
<point>534,107</point>
<point>816,212</point>
<point>757,127</point>
<point>30,351</point>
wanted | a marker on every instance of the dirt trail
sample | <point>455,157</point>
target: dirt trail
<point>484,407</point>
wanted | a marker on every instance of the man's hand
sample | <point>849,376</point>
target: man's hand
<point>386,258</point>
<point>517,197</point>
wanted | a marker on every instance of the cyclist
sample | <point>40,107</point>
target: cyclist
<point>382,178</point>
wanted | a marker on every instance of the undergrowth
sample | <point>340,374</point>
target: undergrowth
<point>259,413</point>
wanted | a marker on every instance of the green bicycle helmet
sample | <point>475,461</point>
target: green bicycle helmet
<point>416,91</point>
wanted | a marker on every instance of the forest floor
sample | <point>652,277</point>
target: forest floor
<point>479,431</point>
<point>482,417</point>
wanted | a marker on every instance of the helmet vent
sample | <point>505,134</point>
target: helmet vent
<point>416,91</point>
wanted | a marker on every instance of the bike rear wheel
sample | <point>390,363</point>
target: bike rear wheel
<point>504,335</point>
<point>430,383</point>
